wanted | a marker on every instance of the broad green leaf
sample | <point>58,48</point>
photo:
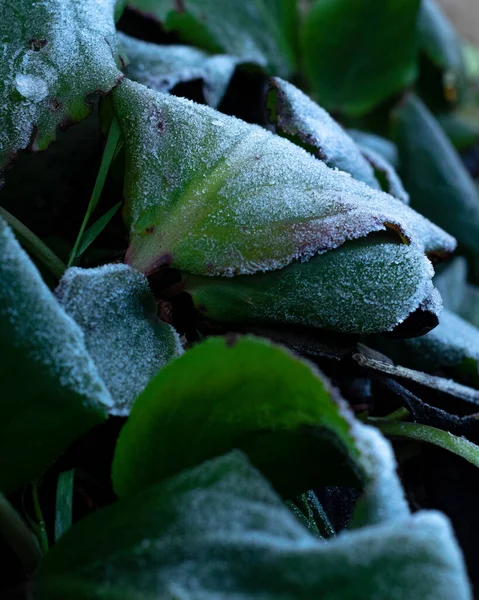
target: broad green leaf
<point>258,31</point>
<point>51,390</point>
<point>210,194</point>
<point>163,67</point>
<point>441,45</point>
<point>365,286</point>
<point>461,127</point>
<point>385,173</point>
<point>458,295</point>
<point>359,54</point>
<point>219,531</point>
<point>305,123</point>
<point>248,393</point>
<point>451,349</point>
<point>439,185</point>
<point>116,310</point>
<point>54,55</point>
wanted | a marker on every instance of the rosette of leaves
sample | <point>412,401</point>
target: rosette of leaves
<point>264,231</point>
<point>55,54</point>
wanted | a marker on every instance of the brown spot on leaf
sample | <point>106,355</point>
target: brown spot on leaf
<point>54,104</point>
<point>36,44</point>
<point>157,116</point>
<point>150,229</point>
<point>231,339</point>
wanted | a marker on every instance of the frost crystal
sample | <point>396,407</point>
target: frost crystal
<point>117,313</point>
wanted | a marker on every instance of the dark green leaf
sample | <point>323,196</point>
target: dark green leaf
<point>258,31</point>
<point>94,231</point>
<point>64,503</point>
<point>116,310</point>
<point>163,67</point>
<point>219,531</point>
<point>441,45</point>
<point>55,54</point>
<point>439,185</point>
<point>248,393</point>
<point>379,145</point>
<point>358,54</point>
<point>51,389</point>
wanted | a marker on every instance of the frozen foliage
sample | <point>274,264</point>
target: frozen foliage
<point>219,531</point>
<point>51,390</point>
<point>299,118</point>
<point>214,195</point>
<point>258,32</point>
<point>163,67</point>
<point>385,174</point>
<point>377,144</point>
<point>117,313</point>
<point>365,286</point>
<point>459,296</point>
<point>54,53</point>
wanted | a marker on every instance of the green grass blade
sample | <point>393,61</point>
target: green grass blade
<point>431,435</point>
<point>64,503</point>
<point>112,141</point>
<point>34,245</point>
<point>94,231</point>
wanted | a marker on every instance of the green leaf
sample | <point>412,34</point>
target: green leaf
<point>451,349</point>
<point>359,54</point>
<point>163,67</point>
<point>219,531</point>
<point>305,123</point>
<point>64,503</point>
<point>55,54</point>
<point>51,390</point>
<point>212,195</point>
<point>365,286</point>
<point>458,295</point>
<point>258,31</point>
<point>439,185</point>
<point>376,143</point>
<point>116,310</point>
<point>248,393</point>
<point>441,45</point>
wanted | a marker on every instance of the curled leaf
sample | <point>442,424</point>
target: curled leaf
<point>163,67</point>
<point>54,55</point>
<point>117,313</point>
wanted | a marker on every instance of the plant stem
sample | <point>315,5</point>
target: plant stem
<point>19,536</point>
<point>34,245</point>
<point>424,433</point>
<point>114,136</point>
<point>42,532</point>
<point>398,415</point>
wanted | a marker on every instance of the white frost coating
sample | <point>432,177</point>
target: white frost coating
<point>377,144</point>
<point>237,199</point>
<point>163,67</point>
<point>394,184</point>
<point>54,54</point>
<point>117,313</point>
<point>297,115</point>
<point>31,87</point>
<point>37,326</point>
<point>220,532</point>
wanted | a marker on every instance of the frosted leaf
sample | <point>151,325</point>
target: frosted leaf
<point>378,144</point>
<point>163,67</point>
<point>452,348</point>
<point>451,283</point>
<point>261,32</point>
<point>251,394</point>
<point>440,384</point>
<point>214,195</point>
<point>364,286</point>
<point>219,531</point>
<point>51,389</point>
<point>115,309</point>
<point>55,53</point>
<point>300,119</point>
<point>385,174</point>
